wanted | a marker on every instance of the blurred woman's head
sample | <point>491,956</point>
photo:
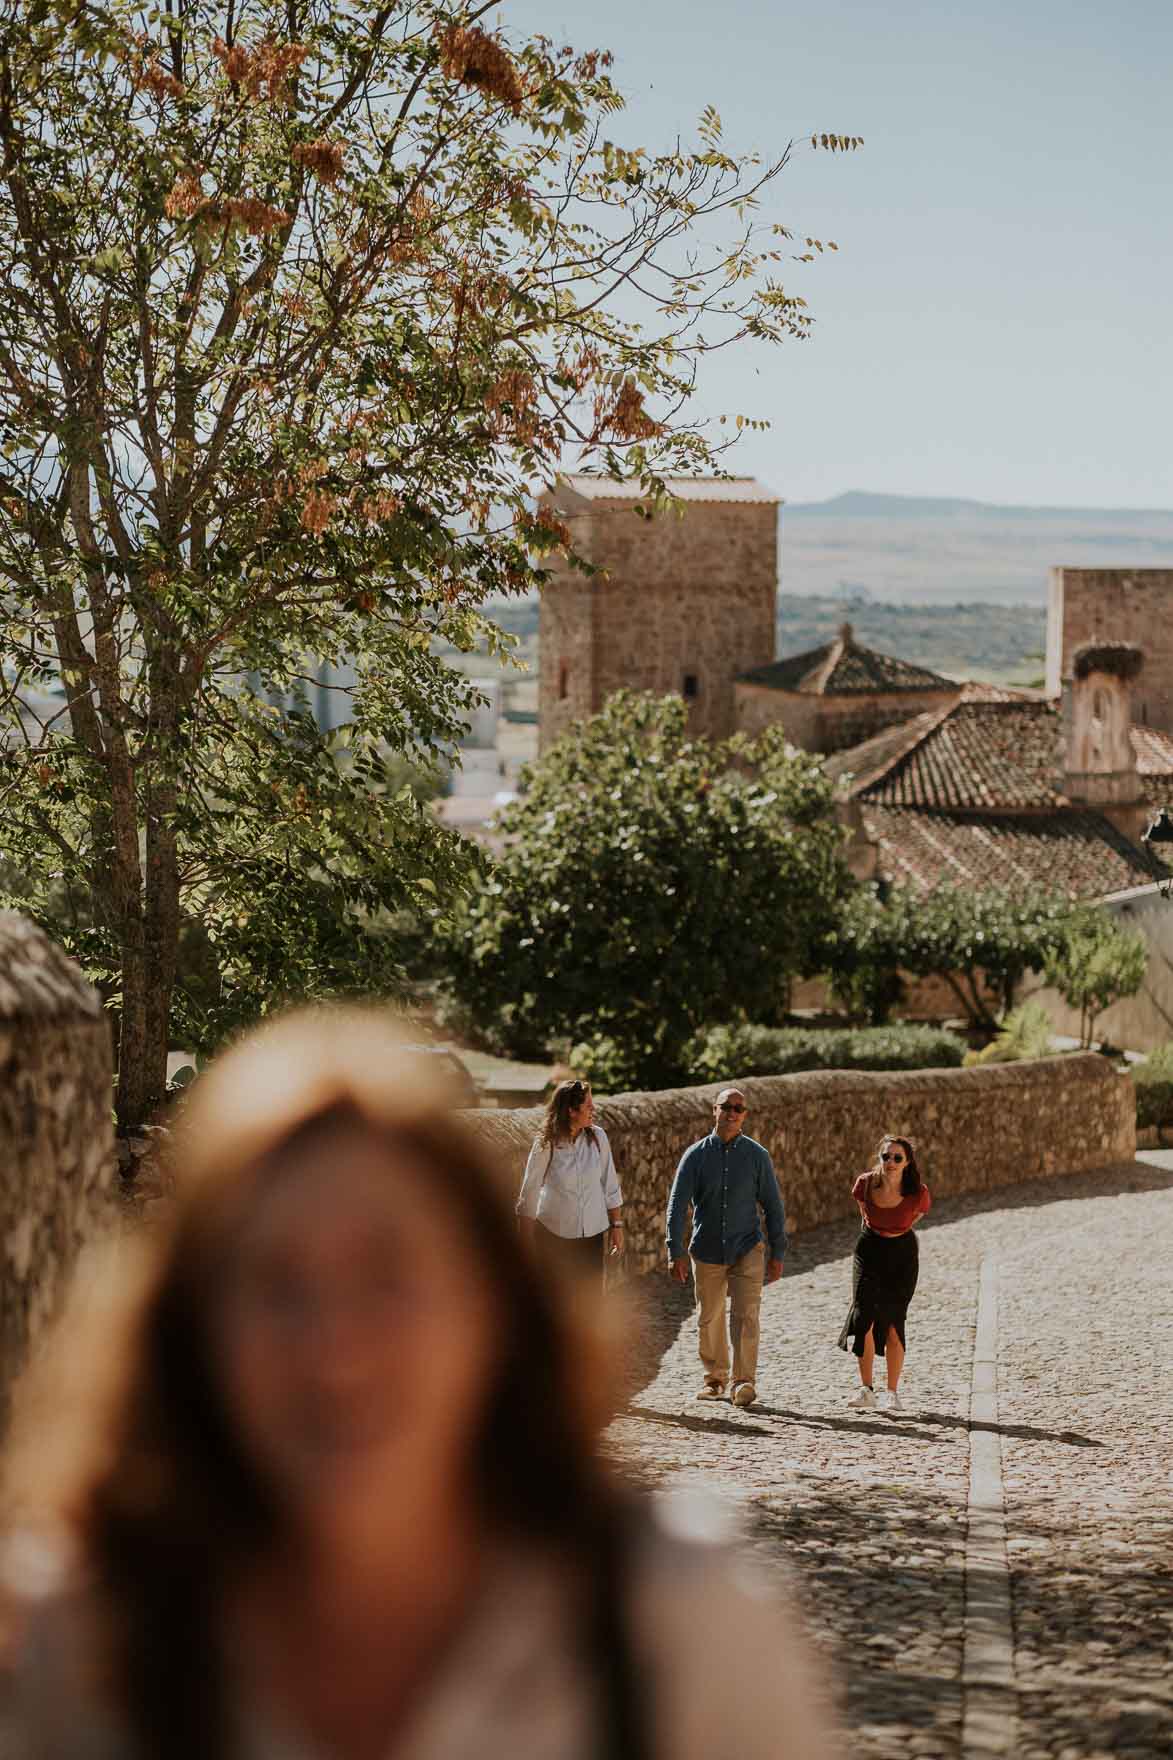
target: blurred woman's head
<point>339,1333</point>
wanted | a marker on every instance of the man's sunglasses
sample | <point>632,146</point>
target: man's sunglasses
<point>891,1155</point>
<point>730,1106</point>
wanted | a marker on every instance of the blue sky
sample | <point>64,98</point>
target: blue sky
<point>998,322</point>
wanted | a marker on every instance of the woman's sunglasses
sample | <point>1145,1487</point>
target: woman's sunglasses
<point>891,1155</point>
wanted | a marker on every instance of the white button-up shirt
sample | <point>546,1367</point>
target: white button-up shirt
<point>570,1189</point>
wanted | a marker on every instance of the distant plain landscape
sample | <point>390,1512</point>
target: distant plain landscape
<point>959,586</point>
<point>915,550</point>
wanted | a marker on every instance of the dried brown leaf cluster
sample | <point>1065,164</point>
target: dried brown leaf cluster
<point>512,404</point>
<point>626,417</point>
<point>263,72</point>
<point>186,200</point>
<point>378,508</point>
<point>321,158</point>
<point>153,77</point>
<point>472,57</point>
<point>543,530</point>
<point>317,511</point>
<point>185,197</point>
<point>255,216</point>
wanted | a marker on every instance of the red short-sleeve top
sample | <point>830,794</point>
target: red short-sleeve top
<point>894,1220</point>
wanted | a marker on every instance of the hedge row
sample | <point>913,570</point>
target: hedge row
<point>721,1053</point>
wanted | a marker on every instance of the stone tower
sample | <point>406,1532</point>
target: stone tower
<point>685,604</point>
<point>1115,605</point>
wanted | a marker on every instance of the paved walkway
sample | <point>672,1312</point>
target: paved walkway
<point>873,1513</point>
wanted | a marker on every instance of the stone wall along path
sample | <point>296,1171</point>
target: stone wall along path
<point>976,1130</point>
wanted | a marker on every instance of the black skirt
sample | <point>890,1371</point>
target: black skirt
<point>883,1277</point>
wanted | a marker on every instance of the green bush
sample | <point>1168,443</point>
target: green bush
<point>1026,1032</point>
<point>742,1050</point>
<point>726,1053</point>
<point>1153,1082</point>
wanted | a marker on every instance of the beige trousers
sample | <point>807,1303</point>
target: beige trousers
<point>742,1283</point>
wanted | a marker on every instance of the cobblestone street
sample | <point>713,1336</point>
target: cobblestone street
<point>870,1512</point>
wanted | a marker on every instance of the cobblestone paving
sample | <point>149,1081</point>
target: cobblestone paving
<point>869,1511</point>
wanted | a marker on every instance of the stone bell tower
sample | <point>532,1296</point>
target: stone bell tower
<point>683,603</point>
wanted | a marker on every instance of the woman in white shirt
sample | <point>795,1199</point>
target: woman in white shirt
<point>570,1198</point>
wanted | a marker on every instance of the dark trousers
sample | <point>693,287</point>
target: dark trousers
<point>578,1257</point>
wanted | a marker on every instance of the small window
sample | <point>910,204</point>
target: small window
<point>692,686</point>
<point>563,682</point>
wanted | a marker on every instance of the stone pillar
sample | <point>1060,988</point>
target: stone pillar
<point>57,1167</point>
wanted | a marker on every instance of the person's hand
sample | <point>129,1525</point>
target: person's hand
<point>773,1270</point>
<point>680,1270</point>
<point>615,1240</point>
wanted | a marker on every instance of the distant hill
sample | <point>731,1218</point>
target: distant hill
<point>934,550</point>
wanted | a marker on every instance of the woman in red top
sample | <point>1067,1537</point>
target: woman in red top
<point>892,1197</point>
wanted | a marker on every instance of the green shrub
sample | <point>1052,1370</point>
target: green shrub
<point>724,1052</point>
<point>1153,1082</point>
<point>1026,1032</point>
<point>727,1053</point>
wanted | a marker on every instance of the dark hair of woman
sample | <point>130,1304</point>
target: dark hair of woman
<point>910,1180</point>
<point>567,1097</point>
<point>169,1510</point>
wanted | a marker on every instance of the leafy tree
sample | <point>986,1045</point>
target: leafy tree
<point>1096,964</point>
<point>982,943</point>
<point>649,883</point>
<point>301,299</point>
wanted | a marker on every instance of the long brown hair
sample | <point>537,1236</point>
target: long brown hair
<point>567,1097</point>
<point>168,1507</point>
<point>910,1180</point>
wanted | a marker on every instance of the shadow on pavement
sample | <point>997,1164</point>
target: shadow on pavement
<point>905,1425</point>
<point>705,1426</point>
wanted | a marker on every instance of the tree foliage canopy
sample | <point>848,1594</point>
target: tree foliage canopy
<point>980,942</point>
<point>650,883</point>
<point>1097,963</point>
<point>301,299</point>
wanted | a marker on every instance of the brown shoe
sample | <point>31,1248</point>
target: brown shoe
<point>744,1394</point>
<point>712,1390</point>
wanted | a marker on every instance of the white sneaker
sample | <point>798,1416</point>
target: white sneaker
<point>864,1401</point>
<point>890,1401</point>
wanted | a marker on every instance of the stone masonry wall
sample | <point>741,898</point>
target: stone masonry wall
<point>833,723</point>
<point>975,1130</point>
<point>57,1167</point>
<point>688,594</point>
<point>1132,605</point>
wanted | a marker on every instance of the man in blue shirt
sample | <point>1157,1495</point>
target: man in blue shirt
<point>727,1178</point>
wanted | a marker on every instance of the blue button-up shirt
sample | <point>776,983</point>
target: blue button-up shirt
<point>725,1183</point>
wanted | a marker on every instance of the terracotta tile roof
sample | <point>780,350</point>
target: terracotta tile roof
<point>1076,852</point>
<point>740,489</point>
<point>845,668</point>
<point>983,755</point>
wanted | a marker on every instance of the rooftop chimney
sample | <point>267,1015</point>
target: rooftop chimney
<point>1099,762</point>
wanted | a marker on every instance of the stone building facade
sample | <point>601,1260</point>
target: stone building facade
<point>684,601</point>
<point>837,695</point>
<point>1091,606</point>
